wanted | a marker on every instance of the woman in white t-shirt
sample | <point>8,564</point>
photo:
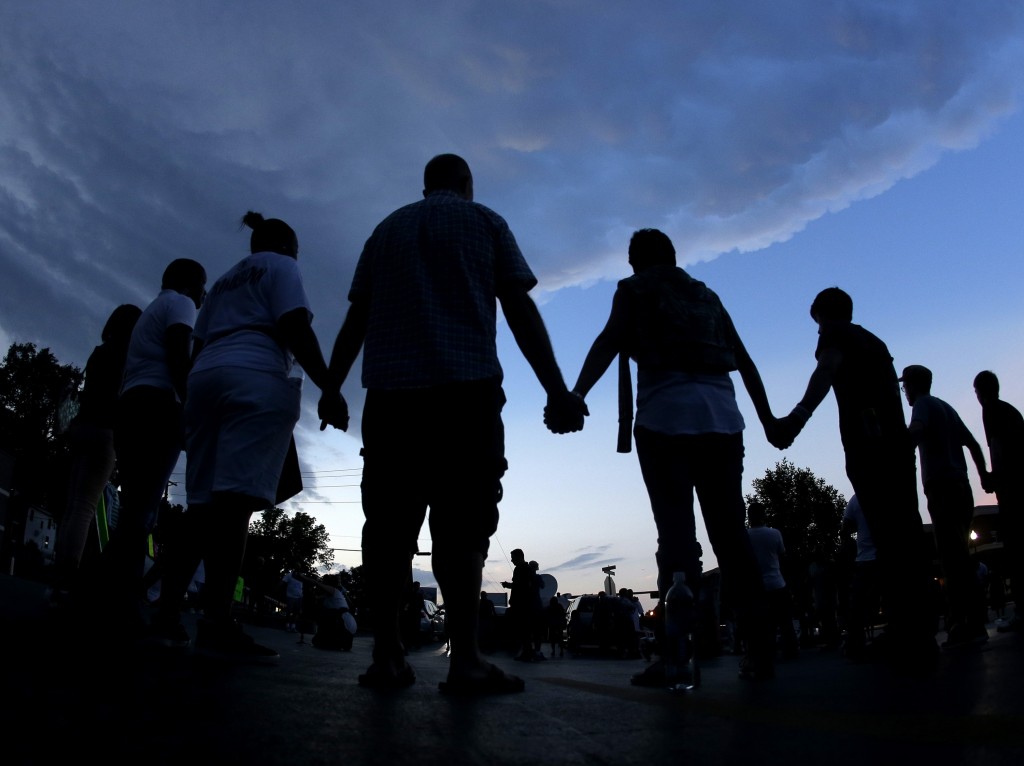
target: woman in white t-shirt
<point>242,406</point>
<point>148,437</point>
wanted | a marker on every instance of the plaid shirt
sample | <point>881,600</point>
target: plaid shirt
<point>431,273</point>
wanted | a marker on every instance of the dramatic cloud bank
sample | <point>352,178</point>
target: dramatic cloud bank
<point>134,133</point>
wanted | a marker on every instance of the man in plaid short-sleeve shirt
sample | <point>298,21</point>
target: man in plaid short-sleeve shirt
<point>424,312</point>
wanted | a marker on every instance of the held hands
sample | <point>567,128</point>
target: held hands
<point>781,432</point>
<point>564,413</point>
<point>333,411</point>
<point>986,482</point>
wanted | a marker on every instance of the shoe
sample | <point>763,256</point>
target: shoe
<point>495,682</point>
<point>167,635</point>
<point>1009,626</point>
<point>962,635</point>
<point>659,675</point>
<point>376,678</point>
<point>226,641</point>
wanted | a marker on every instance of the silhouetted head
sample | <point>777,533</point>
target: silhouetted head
<point>917,381</point>
<point>118,329</point>
<point>650,247</point>
<point>187,277</point>
<point>271,235</point>
<point>517,556</point>
<point>832,304</point>
<point>534,566</point>
<point>756,515</point>
<point>448,172</point>
<point>986,386</point>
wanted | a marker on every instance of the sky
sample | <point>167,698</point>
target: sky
<point>784,147</point>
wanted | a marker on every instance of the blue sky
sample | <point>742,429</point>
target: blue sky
<point>784,147</point>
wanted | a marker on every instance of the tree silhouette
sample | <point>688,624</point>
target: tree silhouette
<point>32,386</point>
<point>807,511</point>
<point>289,541</point>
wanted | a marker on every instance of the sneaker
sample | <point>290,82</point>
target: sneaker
<point>226,641</point>
<point>167,635</point>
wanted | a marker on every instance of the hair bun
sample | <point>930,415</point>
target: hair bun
<point>252,220</point>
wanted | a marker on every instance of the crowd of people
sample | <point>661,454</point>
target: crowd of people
<point>211,372</point>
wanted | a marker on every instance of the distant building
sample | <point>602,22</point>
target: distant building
<point>40,532</point>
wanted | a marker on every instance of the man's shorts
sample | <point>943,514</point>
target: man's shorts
<point>238,424</point>
<point>441,447</point>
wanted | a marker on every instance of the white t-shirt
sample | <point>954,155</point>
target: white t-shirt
<point>294,586</point>
<point>672,402</point>
<point>238,322</point>
<point>865,544</point>
<point>767,544</point>
<point>146,364</point>
<point>336,600</point>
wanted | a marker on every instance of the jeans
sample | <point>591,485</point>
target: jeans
<point>674,467</point>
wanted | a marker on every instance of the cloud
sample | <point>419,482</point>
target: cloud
<point>134,134</point>
<point>591,557</point>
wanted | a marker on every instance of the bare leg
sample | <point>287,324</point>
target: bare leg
<point>459,576</point>
<point>388,572</point>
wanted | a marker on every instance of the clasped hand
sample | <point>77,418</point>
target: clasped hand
<point>564,413</point>
<point>781,432</point>
<point>333,411</point>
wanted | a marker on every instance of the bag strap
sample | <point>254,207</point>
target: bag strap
<point>625,442</point>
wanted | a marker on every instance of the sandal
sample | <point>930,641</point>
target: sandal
<point>495,682</point>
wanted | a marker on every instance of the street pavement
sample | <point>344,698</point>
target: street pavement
<point>63,698</point>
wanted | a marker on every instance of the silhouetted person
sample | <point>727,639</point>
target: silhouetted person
<point>689,431</point>
<point>866,586</point>
<point>91,441</point>
<point>293,596</point>
<point>523,602</point>
<point>824,586</point>
<point>539,630</point>
<point>555,621</point>
<point>1004,432</point>
<point>149,433</point>
<point>488,615</point>
<point>941,436</point>
<point>412,611</point>
<point>880,464</point>
<point>769,549</point>
<point>424,310</point>
<point>997,593</point>
<point>242,407</point>
<point>335,625</point>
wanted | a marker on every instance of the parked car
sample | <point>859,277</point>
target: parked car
<point>432,627</point>
<point>601,623</point>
